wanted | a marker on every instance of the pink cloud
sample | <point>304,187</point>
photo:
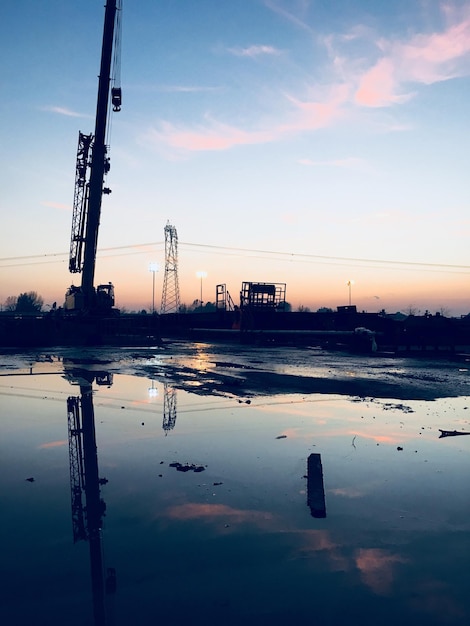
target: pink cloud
<point>57,205</point>
<point>53,444</point>
<point>215,136</point>
<point>424,59</point>
<point>391,80</point>
<point>305,116</point>
<point>378,86</point>
<point>213,512</point>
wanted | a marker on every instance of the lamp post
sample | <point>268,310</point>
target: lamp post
<point>153,391</point>
<point>350,283</point>
<point>201,274</point>
<point>153,267</point>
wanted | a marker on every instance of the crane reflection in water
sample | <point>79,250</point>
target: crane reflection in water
<point>88,508</point>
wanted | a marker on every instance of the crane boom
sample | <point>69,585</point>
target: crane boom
<point>89,190</point>
<point>80,202</point>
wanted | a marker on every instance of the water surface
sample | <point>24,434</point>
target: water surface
<point>232,539</point>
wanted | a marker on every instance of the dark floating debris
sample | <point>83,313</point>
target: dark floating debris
<point>281,437</point>
<point>315,487</point>
<point>217,484</point>
<point>452,433</point>
<point>399,448</point>
<point>30,479</point>
<point>187,467</point>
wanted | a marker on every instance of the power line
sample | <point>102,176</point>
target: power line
<point>235,251</point>
<point>298,256</point>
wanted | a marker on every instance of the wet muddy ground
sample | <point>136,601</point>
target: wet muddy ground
<point>200,457</point>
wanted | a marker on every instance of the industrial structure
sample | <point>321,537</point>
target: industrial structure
<point>169,407</point>
<point>92,166</point>
<point>171,291</point>
<point>88,508</point>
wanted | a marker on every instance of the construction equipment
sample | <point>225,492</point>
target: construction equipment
<point>92,166</point>
<point>88,508</point>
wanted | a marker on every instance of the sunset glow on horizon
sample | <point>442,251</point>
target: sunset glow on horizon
<point>295,142</point>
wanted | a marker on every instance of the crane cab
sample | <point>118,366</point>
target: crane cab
<point>105,297</point>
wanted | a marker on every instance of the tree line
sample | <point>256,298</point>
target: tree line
<point>27,302</point>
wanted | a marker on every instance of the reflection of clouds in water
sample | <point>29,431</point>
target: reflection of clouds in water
<point>347,492</point>
<point>382,438</point>
<point>213,512</point>
<point>320,541</point>
<point>377,568</point>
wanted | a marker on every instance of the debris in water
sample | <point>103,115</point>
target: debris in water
<point>281,437</point>
<point>315,487</point>
<point>30,479</point>
<point>187,467</point>
<point>451,433</point>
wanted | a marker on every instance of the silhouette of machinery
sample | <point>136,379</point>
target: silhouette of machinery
<point>88,508</point>
<point>92,166</point>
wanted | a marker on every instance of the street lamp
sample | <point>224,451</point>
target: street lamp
<point>153,267</point>
<point>153,391</point>
<point>350,283</point>
<point>201,274</point>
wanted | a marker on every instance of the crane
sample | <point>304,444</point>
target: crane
<point>87,516</point>
<point>91,168</point>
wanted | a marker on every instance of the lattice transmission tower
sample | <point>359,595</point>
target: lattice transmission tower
<point>169,408</point>
<point>171,290</point>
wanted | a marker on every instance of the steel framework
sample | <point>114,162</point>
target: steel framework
<point>171,291</point>
<point>169,408</point>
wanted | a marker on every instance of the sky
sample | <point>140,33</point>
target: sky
<point>303,142</point>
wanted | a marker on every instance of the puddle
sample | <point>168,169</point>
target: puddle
<point>193,508</point>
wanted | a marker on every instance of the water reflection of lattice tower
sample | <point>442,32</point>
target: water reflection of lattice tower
<point>171,292</point>
<point>169,408</point>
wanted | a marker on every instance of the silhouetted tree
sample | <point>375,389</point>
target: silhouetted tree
<point>324,309</point>
<point>10,303</point>
<point>303,309</point>
<point>196,305</point>
<point>29,302</point>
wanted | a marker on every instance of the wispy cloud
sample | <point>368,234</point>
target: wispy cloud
<point>255,51</point>
<point>395,75</point>
<point>185,89</point>
<point>53,444</point>
<point>211,136</point>
<point>296,13</point>
<point>423,59</point>
<point>214,135</point>
<point>57,205</point>
<point>63,111</point>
